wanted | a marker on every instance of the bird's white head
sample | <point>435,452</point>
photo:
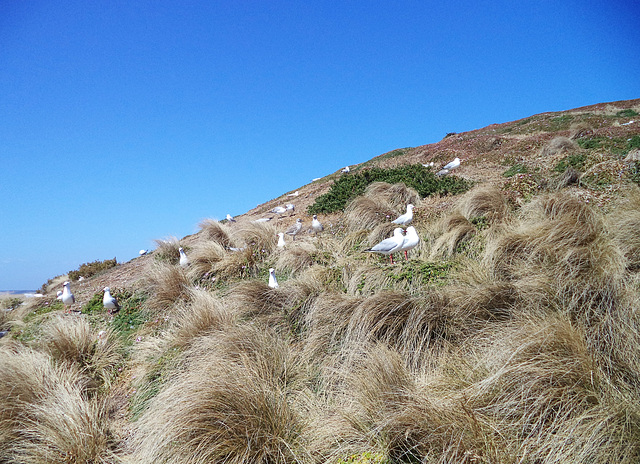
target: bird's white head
<point>315,216</point>
<point>272,270</point>
<point>66,284</point>
<point>106,289</point>
<point>299,220</point>
<point>410,206</point>
<point>397,231</point>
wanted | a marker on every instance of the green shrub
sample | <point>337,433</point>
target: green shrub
<point>633,142</point>
<point>416,176</point>
<point>89,269</point>
<point>575,161</point>
<point>628,113</point>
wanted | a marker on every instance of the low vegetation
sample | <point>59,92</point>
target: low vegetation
<point>510,334</point>
<point>90,269</point>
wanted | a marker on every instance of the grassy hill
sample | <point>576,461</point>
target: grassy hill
<point>510,335</point>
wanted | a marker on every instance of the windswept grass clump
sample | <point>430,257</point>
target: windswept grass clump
<point>168,285</point>
<point>380,204</point>
<point>234,403</point>
<point>72,342</point>
<point>215,231</point>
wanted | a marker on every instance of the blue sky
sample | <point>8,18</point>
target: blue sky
<point>122,122</point>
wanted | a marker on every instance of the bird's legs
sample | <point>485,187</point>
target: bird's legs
<point>405,255</point>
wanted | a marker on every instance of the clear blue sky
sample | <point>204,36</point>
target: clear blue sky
<point>126,121</point>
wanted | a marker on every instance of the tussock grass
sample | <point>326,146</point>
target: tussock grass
<point>233,404</point>
<point>167,250</point>
<point>215,231</point>
<point>298,256</point>
<point>558,145</point>
<point>44,414</point>
<point>204,258</point>
<point>169,284</point>
<point>201,315</point>
<point>256,300</point>
<point>379,203</point>
<point>623,224</point>
<point>455,229</point>
<point>71,341</point>
<point>483,202</point>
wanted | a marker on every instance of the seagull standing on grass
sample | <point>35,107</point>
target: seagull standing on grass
<point>59,295</point>
<point>406,218</point>
<point>345,170</point>
<point>410,241</point>
<point>281,242</point>
<point>184,261</point>
<point>230,218</point>
<point>452,165</point>
<point>389,245</point>
<point>294,194</point>
<point>109,302</point>
<point>315,225</point>
<point>67,297</point>
<point>294,229</point>
<point>273,282</point>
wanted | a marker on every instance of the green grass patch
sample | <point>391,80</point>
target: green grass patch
<point>575,161</point>
<point>424,273</point>
<point>628,113</point>
<point>368,457</point>
<point>515,169</point>
<point>152,383</point>
<point>125,322</point>
<point>416,176</point>
<point>633,142</point>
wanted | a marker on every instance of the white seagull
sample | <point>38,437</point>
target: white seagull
<point>294,229</point>
<point>59,295</point>
<point>389,245</point>
<point>184,260</point>
<point>281,242</point>
<point>279,210</point>
<point>266,219</point>
<point>442,172</point>
<point>406,218</point>
<point>273,282</point>
<point>452,165</point>
<point>230,218</point>
<point>294,194</point>
<point>109,302</point>
<point>315,225</point>
<point>142,252</point>
<point>291,207</point>
<point>410,241</point>
<point>345,170</point>
<point>67,297</point>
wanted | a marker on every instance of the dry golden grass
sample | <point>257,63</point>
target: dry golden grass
<point>297,256</point>
<point>215,231</point>
<point>455,229</point>
<point>623,224</point>
<point>167,250</point>
<point>484,201</point>
<point>71,341</point>
<point>44,414</point>
<point>168,283</point>
<point>558,145</point>
<point>233,404</point>
<point>204,257</point>
<point>200,316</point>
<point>379,203</point>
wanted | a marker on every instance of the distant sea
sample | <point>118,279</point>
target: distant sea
<point>25,293</point>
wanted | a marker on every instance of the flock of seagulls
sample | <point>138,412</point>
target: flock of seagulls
<point>399,242</point>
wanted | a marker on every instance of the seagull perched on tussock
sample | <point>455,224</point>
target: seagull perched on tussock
<point>109,302</point>
<point>184,260</point>
<point>316,225</point>
<point>389,245</point>
<point>230,218</point>
<point>67,297</point>
<point>410,241</point>
<point>294,229</point>
<point>281,242</point>
<point>273,282</point>
<point>406,218</point>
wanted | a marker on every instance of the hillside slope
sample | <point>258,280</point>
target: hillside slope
<point>510,334</point>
